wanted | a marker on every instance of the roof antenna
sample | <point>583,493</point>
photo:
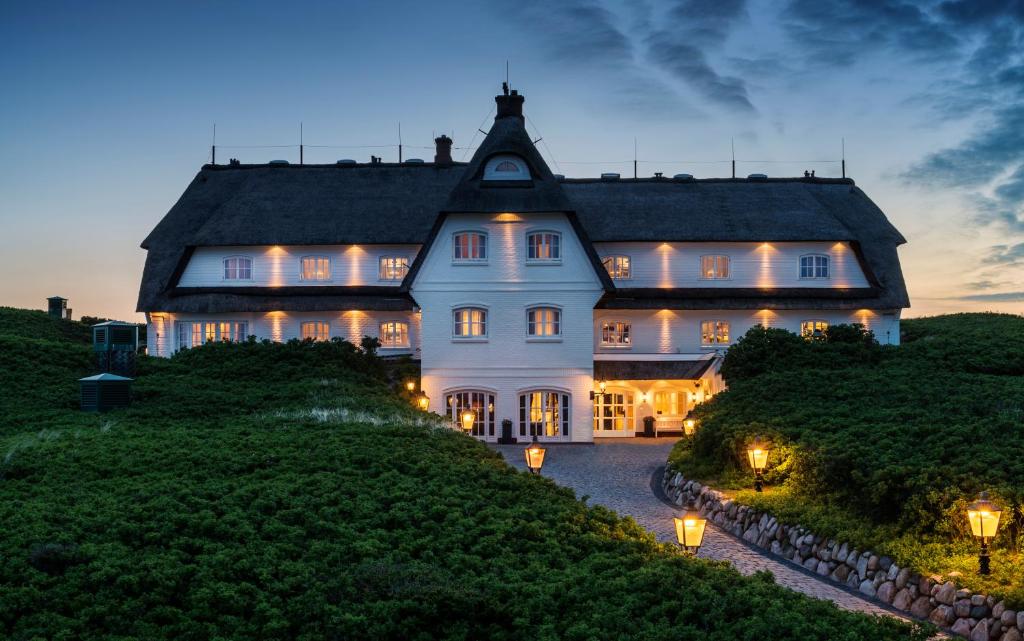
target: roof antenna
<point>399,141</point>
<point>506,75</point>
<point>634,157</point>
<point>302,148</point>
<point>733,143</point>
<point>213,147</point>
<point>844,157</point>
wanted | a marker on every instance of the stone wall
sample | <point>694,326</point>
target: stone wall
<point>974,616</point>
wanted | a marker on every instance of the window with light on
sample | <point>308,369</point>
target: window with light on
<point>394,334</point>
<point>813,328</point>
<point>393,267</point>
<point>714,332</point>
<point>315,330</point>
<point>316,268</point>
<point>470,322</point>
<point>615,334</point>
<point>470,246</point>
<point>618,267</point>
<point>544,246</point>
<point>543,322</point>
<point>714,267</point>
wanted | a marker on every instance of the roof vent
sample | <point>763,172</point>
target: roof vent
<point>609,176</point>
<point>658,174</point>
<point>682,177</point>
<point>346,161</point>
<point>757,177</point>
<point>559,177</point>
<point>414,161</point>
<point>278,162</point>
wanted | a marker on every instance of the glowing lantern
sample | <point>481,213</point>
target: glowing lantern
<point>689,426</point>
<point>534,456</point>
<point>468,418</point>
<point>984,518</point>
<point>601,386</point>
<point>757,454</point>
<point>690,529</point>
<point>424,402</point>
<point>410,385</point>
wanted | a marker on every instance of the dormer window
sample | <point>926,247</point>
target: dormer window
<point>238,268</point>
<point>814,266</point>
<point>714,267</point>
<point>618,267</point>
<point>506,167</point>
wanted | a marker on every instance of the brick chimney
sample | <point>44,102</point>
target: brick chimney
<point>443,155</point>
<point>510,103</point>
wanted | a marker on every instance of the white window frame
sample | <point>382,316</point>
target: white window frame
<point>329,276</point>
<point>715,333</point>
<point>224,268</point>
<point>716,264</point>
<point>813,322</point>
<point>555,241</point>
<point>404,333</point>
<point>623,329</point>
<point>485,322</point>
<point>195,333</point>
<point>563,409</point>
<point>557,322</point>
<point>398,264</point>
<point>456,260</point>
<point>316,335</point>
<point>491,171</point>
<point>480,401</point>
<point>614,258</point>
<point>607,413</point>
<point>814,267</point>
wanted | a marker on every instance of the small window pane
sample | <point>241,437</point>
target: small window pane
<point>618,267</point>
<point>394,334</point>
<point>544,246</point>
<point>714,332</point>
<point>470,246</point>
<point>238,268</point>
<point>393,267</point>
<point>470,321</point>
<point>813,328</point>
<point>615,334</point>
<point>316,330</point>
<point>316,268</point>
<point>543,321</point>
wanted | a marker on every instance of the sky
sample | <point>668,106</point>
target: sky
<point>108,112</point>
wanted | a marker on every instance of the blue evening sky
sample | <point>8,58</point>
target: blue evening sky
<point>108,109</point>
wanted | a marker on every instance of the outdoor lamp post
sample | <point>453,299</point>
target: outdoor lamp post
<point>690,529</point>
<point>423,402</point>
<point>757,454</point>
<point>689,426</point>
<point>534,456</point>
<point>410,385</point>
<point>984,517</point>
<point>468,418</point>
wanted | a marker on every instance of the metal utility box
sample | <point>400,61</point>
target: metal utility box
<point>57,307</point>
<point>105,392</point>
<point>116,344</point>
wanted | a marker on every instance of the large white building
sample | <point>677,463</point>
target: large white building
<point>521,292</point>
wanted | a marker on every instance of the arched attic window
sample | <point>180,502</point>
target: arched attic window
<point>506,167</point>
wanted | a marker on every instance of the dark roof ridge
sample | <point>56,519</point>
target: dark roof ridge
<point>332,165</point>
<point>671,181</point>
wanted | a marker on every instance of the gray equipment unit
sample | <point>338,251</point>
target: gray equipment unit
<point>105,392</point>
<point>116,343</point>
<point>57,307</point>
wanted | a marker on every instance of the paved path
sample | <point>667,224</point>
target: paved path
<point>618,473</point>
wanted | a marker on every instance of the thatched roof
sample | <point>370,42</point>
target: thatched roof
<point>386,203</point>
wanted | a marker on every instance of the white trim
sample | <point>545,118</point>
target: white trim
<point>652,357</point>
<point>330,269</point>
<point>252,268</point>
<point>471,261</point>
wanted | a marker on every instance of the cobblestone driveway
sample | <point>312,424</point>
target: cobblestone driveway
<point>617,474</point>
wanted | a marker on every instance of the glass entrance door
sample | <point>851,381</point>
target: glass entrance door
<point>614,414</point>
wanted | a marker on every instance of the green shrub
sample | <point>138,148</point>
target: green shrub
<point>895,438</point>
<point>252,491</point>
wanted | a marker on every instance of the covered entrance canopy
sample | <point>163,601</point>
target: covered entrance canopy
<point>660,386</point>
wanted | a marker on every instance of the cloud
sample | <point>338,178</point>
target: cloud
<point>1005,255</point>
<point>1003,297</point>
<point>692,28</point>
<point>985,284</point>
<point>634,47</point>
<point>840,33</point>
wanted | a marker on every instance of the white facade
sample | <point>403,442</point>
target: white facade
<point>507,362</point>
<point>774,264</point>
